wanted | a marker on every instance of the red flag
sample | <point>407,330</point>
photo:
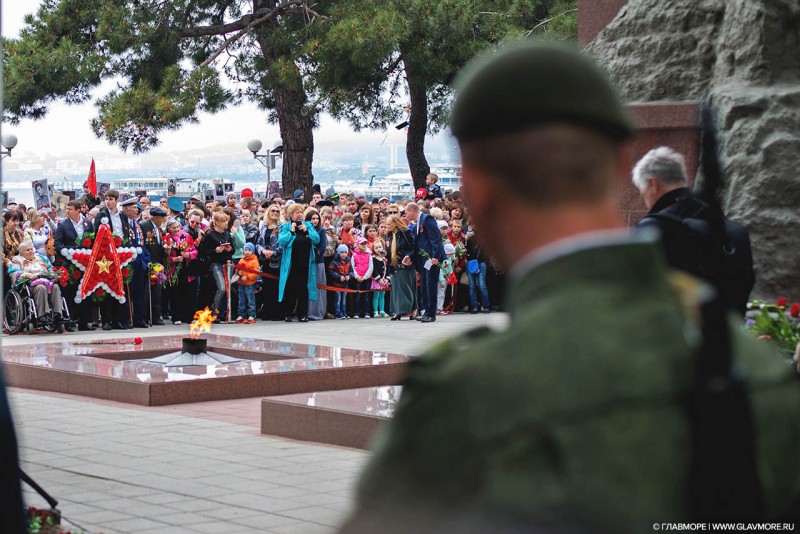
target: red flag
<point>91,181</point>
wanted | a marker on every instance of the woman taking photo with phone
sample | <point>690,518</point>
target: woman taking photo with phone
<point>298,280</point>
<point>217,247</point>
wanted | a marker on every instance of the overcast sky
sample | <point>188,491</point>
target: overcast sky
<point>65,129</point>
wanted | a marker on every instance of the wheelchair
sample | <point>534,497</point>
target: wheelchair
<point>19,312</point>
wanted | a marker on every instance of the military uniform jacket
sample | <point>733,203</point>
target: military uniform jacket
<point>153,238</point>
<point>572,416</point>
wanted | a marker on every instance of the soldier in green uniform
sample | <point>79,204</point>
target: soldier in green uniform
<point>572,418</point>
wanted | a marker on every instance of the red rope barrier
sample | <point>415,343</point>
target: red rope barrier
<point>319,286</point>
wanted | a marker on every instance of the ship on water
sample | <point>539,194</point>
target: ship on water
<point>400,185</point>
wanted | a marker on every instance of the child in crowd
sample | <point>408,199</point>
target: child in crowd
<point>371,233</point>
<point>340,271</point>
<point>432,189</point>
<point>444,229</point>
<point>456,237</point>
<point>247,281</point>
<point>380,279</point>
<point>445,274</point>
<point>347,235</point>
<point>383,229</point>
<point>362,269</point>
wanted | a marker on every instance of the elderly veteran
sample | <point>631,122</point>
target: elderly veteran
<point>576,416</point>
<point>36,271</point>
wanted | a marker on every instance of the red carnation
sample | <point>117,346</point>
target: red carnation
<point>76,274</point>
<point>100,292</point>
<point>117,240</point>
<point>794,311</point>
<point>125,272</point>
<point>783,301</point>
<point>137,341</point>
<point>87,243</point>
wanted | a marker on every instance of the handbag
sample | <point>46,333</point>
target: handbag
<point>473,267</point>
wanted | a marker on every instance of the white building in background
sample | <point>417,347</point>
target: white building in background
<point>67,165</point>
<point>29,167</point>
<point>397,157</point>
<point>122,164</point>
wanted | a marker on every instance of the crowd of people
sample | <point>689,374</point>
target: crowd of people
<point>335,256</point>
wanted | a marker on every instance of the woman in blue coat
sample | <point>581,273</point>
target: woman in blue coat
<point>317,306</point>
<point>298,281</point>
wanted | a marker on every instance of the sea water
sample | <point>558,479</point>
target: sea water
<point>19,194</point>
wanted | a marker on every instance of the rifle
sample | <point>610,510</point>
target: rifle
<point>724,483</point>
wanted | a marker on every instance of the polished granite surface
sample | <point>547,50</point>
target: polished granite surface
<point>379,401</point>
<point>348,418</point>
<point>116,358</point>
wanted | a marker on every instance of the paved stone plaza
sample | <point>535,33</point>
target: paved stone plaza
<point>200,467</point>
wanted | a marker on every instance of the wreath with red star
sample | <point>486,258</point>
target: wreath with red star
<point>102,265</point>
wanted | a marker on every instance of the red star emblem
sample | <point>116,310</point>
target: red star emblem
<point>102,265</point>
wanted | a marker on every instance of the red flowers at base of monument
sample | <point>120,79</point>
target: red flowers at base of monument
<point>137,341</point>
<point>794,311</point>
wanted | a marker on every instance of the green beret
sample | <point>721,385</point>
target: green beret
<point>529,84</point>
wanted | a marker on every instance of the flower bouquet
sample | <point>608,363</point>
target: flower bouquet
<point>156,272</point>
<point>771,322</point>
<point>179,246</point>
<point>63,276</point>
<point>45,522</point>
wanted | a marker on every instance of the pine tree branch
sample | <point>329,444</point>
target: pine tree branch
<point>285,7</point>
<point>548,21</point>
<point>247,21</point>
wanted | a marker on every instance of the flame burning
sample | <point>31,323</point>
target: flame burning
<point>202,323</point>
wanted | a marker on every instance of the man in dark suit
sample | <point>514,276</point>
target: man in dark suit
<point>137,291</point>
<point>151,229</point>
<point>113,313</point>
<point>428,246</point>
<point>67,232</point>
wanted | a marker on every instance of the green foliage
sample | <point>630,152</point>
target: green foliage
<point>364,53</point>
<point>147,46</point>
<point>772,324</point>
<point>356,60</point>
<point>133,116</point>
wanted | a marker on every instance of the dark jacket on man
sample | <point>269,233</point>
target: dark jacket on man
<point>104,213</point>
<point>153,237</point>
<point>65,235</point>
<point>683,224</point>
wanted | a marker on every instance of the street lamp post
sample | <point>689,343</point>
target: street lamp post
<point>9,142</point>
<point>267,160</point>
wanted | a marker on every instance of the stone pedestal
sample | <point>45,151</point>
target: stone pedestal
<point>664,123</point>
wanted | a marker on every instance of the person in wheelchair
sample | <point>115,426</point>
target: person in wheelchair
<point>36,271</point>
